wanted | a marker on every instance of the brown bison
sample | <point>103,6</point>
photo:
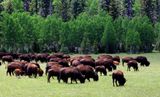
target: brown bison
<point>105,57</point>
<point>50,64</point>
<point>12,66</point>
<point>133,64</point>
<point>126,60</point>
<point>75,63</point>
<point>88,61</point>
<point>40,72</point>
<point>107,63</point>
<point>32,69</point>
<point>7,58</point>
<point>71,72</point>
<point>116,58</point>
<point>118,78</point>
<point>53,71</point>
<point>88,71</point>
<point>0,63</point>
<point>142,60</point>
<point>18,72</point>
<point>101,69</point>
<point>41,57</point>
<point>25,57</point>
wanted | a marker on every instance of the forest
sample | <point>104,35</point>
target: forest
<point>79,26</point>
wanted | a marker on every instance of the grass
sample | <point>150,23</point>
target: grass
<point>144,83</point>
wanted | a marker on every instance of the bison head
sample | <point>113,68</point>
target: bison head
<point>95,78</point>
<point>122,81</point>
<point>147,63</point>
<point>82,79</point>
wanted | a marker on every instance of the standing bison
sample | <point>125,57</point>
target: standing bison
<point>7,58</point>
<point>88,71</point>
<point>133,64</point>
<point>101,69</point>
<point>118,78</point>
<point>126,60</point>
<point>71,72</point>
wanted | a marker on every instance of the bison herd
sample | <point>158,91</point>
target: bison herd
<point>64,67</point>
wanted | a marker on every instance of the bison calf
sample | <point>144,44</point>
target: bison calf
<point>118,78</point>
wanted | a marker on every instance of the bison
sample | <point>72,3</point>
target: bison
<point>118,78</point>
<point>53,71</point>
<point>101,69</point>
<point>126,60</point>
<point>133,64</point>
<point>142,60</point>
<point>12,66</point>
<point>18,72</point>
<point>7,58</point>
<point>107,63</point>
<point>32,69</point>
<point>88,71</point>
<point>71,72</point>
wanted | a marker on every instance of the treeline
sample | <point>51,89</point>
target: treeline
<point>79,26</point>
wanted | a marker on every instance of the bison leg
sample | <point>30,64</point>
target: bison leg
<point>113,81</point>
<point>105,73</point>
<point>48,78</point>
<point>88,79</point>
<point>116,83</point>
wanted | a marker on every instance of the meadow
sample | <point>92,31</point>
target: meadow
<point>143,83</point>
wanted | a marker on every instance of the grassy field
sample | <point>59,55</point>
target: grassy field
<point>144,83</point>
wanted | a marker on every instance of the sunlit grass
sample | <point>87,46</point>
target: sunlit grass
<point>144,83</point>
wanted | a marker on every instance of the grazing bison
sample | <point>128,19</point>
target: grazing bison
<point>88,71</point>
<point>12,66</point>
<point>118,78</point>
<point>105,57</point>
<point>126,60</point>
<point>71,72</point>
<point>32,69</point>
<point>133,64</point>
<point>50,64</point>
<point>18,72</point>
<point>0,63</point>
<point>53,71</point>
<point>25,57</point>
<point>107,63</point>
<point>116,58</point>
<point>88,61</point>
<point>142,60</point>
<point>40,72</point>
<point>101,69</point>
<point>7,58</point>
<point>75,63</point>
<point>41,57</point>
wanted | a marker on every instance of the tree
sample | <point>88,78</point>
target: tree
<point>128,7</point>
<point>148,7</point>
<point>133,41</point>
<point>77,6</point>
<point>108,39</point>
<point>105,5</point>
<point>65,10</point>
<point>46,8</point>
<point>114,9</point>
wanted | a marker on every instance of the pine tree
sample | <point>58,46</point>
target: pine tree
<point>128,7</point>
<point>105,4</point>
<point>114,9</point>
<point>77,6</point>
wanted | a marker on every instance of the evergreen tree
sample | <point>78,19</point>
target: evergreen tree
<point>128,7</point>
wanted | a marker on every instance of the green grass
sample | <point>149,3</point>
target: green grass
<point>144,83</point>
